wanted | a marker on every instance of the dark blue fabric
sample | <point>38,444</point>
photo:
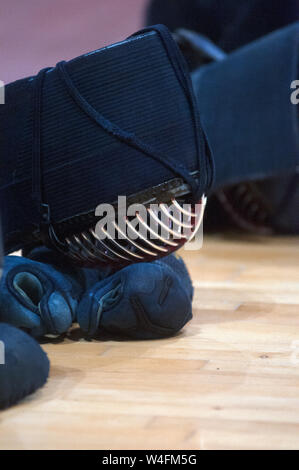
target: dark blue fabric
<point>229,23</point>
<point>142,301</point>
<point>134,85</point>
<point>37,179</point>
<point>282,195</point>
<point>205,163</point>
<point>26,366</point>
<point>41,294</point>
<point>246,110</point>
<point>251,125</point>
<point>128,138</point>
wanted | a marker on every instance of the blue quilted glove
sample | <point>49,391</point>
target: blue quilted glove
<point>41,294</point>
<point>142,301</point>
<point>24,366</point>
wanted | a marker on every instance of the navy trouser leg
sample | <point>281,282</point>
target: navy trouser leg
<point>246,110</point>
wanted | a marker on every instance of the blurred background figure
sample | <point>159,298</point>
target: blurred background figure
<point>230,23</point>
<point>259,204</point>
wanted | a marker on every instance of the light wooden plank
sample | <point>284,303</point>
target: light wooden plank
<point>230,380</point>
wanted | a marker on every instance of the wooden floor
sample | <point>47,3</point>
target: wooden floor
<point>230,380</point>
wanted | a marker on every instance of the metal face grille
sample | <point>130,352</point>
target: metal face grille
<point>168,220</point>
